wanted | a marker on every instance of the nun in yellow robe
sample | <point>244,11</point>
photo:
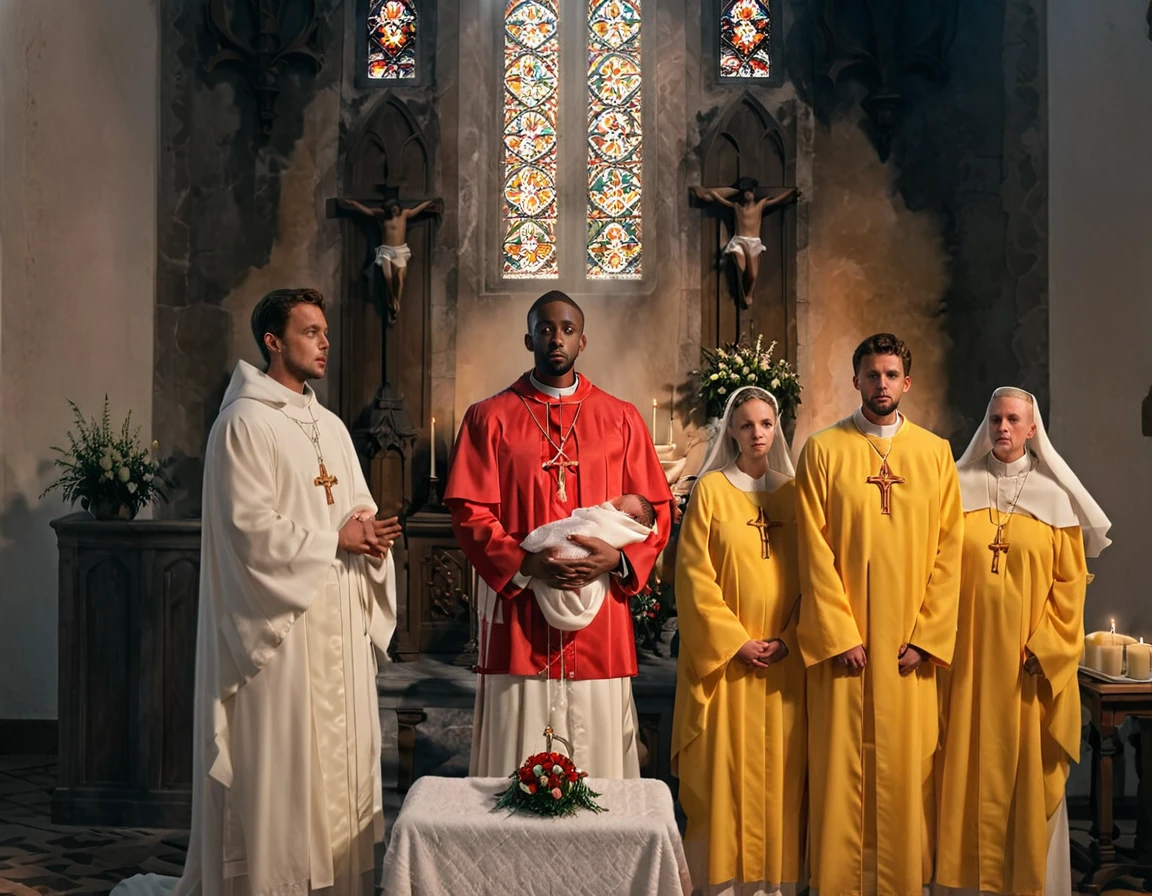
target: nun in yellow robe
<point>1011,700</point>
<point>738,734</point>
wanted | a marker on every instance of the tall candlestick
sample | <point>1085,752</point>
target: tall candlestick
<point>432,448</point>
<point>671,416</point>
<point>654,406</point>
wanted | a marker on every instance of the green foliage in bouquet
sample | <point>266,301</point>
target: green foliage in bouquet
<point>108,473</point>
<point>651,608</point>
<point>727,369</point>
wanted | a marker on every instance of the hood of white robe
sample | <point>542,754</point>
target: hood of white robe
<point>251,382</point>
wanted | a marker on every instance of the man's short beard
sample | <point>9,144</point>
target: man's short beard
<point>546,366</point>
<point>868,403</point>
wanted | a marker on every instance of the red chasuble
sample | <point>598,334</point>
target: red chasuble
<point>504,481</point>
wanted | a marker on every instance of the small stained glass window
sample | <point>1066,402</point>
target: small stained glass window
<point>392,40</point>
<point>531,82</point>
<point>615,140</point>
<point>745,29</point>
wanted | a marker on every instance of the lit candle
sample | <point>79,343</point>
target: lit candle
<point>1140,661</point>
<point>432,447</point>
<point>671,416</point>
<point>654,406</point>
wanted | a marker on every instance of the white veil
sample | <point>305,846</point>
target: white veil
<point>725,450</point>
<point>1072,507</point>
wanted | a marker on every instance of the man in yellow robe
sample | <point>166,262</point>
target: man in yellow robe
<point>1011,700</point>
<point>880,532</point>
<point>738,738</point>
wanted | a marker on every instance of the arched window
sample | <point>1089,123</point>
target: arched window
<point>572,149</point>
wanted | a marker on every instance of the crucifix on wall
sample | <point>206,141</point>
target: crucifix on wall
<point>389,266</point>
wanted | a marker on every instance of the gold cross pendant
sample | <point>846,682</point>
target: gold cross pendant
<point>884,481</point>
<point>763,524</point>
<point>326,482</point>
<point>998,547</point>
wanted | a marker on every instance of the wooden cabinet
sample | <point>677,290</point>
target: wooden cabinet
<point>129,594</point>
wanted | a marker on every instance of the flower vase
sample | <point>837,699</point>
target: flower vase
<point>106,509</point>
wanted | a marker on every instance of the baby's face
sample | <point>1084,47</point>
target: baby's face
<point>630,505</point>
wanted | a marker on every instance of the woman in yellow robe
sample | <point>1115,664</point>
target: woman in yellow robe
<point>1011,701</point>
<point>738,735</point>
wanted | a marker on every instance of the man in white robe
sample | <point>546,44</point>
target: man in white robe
<point>297,588</point>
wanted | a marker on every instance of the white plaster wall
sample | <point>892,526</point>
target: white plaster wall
<point>78,133</point>
<point>1100,224</point>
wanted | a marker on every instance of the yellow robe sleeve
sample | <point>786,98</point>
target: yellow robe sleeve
<point>710,633</point>
<point>826,626</point>
<point>935,629</point>
<point>1057,640</point>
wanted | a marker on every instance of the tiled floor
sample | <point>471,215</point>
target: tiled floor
<point>39,857</point>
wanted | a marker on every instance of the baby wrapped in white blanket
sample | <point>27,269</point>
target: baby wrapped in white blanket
<point>628,519</point>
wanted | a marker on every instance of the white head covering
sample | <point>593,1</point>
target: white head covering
<point>725,451</point>
<point>1052,493</point>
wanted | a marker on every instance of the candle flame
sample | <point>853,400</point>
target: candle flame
<point>1113,626</point>
<point>654,404</point>
<point>433,421</point>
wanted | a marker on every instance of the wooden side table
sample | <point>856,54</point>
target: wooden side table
<point>1108,705</point>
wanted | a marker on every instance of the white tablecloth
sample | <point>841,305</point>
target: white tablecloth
<point>447,840</point>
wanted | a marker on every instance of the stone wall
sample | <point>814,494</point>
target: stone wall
<point>78,136</point>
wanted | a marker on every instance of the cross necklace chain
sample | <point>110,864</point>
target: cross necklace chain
<point>324,480</point>
<point>884,480</point>
<point>560,459</point>
<point>999,545</point>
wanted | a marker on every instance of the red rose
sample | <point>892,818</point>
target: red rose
<point>553,781</point>
<point>571,776</point>
<point>532,788</point>
<point>655,606</point>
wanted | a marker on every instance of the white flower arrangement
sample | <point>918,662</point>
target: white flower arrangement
<point>727,369</point>
<point>108,474</point>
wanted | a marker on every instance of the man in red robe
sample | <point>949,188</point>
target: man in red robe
<point>531,454</point>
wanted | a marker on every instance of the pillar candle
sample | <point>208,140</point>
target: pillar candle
<point>654,406</point>
<point>1111,659</point>
<point>432,448</point>
<point>1140,661</point>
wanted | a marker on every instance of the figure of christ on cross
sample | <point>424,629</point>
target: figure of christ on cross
<point>763,524</point>
<point>393,253</point>
<point>745,247</point>
<point>884,481</point>
<point>325,481</point>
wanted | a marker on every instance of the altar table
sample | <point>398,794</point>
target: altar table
<point>447,840</point>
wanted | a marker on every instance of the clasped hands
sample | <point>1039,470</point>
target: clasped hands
<point>572,573</point>
<point>364,534</point>
<point>762,654</point>
<point>908,659</point>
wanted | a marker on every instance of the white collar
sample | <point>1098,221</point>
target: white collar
<point>1002,470</point>
<point>769,482</point>
<point>869,428</point>
<point>552,391</point>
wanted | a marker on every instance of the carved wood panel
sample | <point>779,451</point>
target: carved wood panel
<point>109,701</point>
<point>179,608</point>
<point>747,142</point>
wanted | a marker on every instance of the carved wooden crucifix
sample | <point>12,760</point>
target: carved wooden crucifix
<point>884,480</point>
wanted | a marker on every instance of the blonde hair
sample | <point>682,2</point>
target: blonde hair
<point>1012,392</point>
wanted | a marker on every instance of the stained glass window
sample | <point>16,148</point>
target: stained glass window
<point>745,28</point>
<point>615,142</point>
<point>531,49</point>
<point>391,40</point>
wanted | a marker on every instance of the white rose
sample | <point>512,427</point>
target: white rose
<point>776,383</point>
<point>745,371</point>
<point>722,390</point>
<point>108,475</point>
<point>714,376</point>
<point>124,474</point>
<point>131,488</point>
<point>147,477</point>
<point>106,462</point>
<point>116,456</point>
